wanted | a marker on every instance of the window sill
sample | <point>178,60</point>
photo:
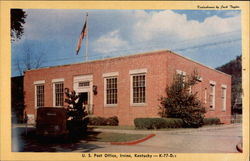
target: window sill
<point>110,105</point>
<point>138,104</point>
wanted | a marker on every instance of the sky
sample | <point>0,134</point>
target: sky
<point>210,37</point>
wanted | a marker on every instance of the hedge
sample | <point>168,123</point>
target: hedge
<point>101,121</point>
<point>211,121</point>
<point>157,123</point>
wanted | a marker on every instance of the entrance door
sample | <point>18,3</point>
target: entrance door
<point>86,99</point>
<point>83,85</point>
<point>85,96</point>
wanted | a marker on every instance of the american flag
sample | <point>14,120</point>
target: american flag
<point>82,35</point>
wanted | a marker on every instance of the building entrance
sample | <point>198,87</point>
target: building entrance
<point>83,85</point>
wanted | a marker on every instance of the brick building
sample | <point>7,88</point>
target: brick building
<point>127,87</point>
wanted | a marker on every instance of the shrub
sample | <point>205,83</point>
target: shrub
<point>181,103</point>
<point>112,121</point>
<point>157,123</point>
<point>101,121</point>
<point>211,121</point>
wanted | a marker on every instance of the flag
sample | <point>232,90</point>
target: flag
<point>82,35</point>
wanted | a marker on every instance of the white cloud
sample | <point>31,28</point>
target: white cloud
<point>133,25</point>
<point>115,32</point>
<point>127,30</point>
<point>174,26</point>
<point>109,42</point>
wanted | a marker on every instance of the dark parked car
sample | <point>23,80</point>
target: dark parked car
<point>56,121</point>
<point>51,121</point>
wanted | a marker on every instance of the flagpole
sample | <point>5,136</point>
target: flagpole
<point>87,39</point>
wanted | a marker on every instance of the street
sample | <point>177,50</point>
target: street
<point>213,139</point>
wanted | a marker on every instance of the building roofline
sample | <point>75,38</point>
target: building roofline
<point>200,64</point>
<point>133,55</point>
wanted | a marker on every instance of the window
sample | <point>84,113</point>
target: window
<point>139,88</point>
<point>58,94</point>
<point>212,96</point>
<point>205,95</point>
<point>111,91</point>
<point>182,76</point>
<point>84,84</point>
<point>39,95</point>
<point>223,98</point>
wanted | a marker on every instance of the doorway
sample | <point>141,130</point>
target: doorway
<point>83,85</point>
<point>85,97</point>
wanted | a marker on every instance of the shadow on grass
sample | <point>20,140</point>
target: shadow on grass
<point>26,140</point>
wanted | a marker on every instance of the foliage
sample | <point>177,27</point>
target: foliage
<point>101,121</point>
<point>76,111</point>
<point>181,103</point>
<point>98,121</point>
<point>157,123</point>
<point>17,99</point>
<point>211,121</point>
<point>112,121</point>
<point>17,21</point>
<point>75,105</point>
<point>120,127</point>
<point>234,68</point>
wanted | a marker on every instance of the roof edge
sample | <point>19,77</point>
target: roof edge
<point>137,54</point>
<point>200,64</point>
<point>105,59</point>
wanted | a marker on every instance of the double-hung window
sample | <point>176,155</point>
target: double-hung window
<point>39,93</point>
<point>182,77</point>
<point>138,87</point>
<point>110,89</point>
<point>223,97</point>
<point>212,95</point>
<point>58,92</point>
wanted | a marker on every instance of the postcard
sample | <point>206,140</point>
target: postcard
<point>124,80</point>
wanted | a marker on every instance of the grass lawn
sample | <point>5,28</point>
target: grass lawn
<point>133,128</point>
<point>113,137</point>
<point>128,128</point>
<point>114,127</point>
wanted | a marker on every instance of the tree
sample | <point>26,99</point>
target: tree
<point>182,103</point>
<point>30,59</point>
<point>17,21</point>
<point>75,105</point>
<point>17,99</point>
<point>77,120</point>
<point>234,68</point>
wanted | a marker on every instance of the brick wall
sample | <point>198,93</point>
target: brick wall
<point>177,62</point>
<point>160,67</point>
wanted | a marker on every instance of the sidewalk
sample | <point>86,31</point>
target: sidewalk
<point>207,139</point>
<point>142,131</point>
<point>170,131</point>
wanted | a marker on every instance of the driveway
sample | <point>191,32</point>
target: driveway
<point>212,139</point>
<point>215,139</point>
